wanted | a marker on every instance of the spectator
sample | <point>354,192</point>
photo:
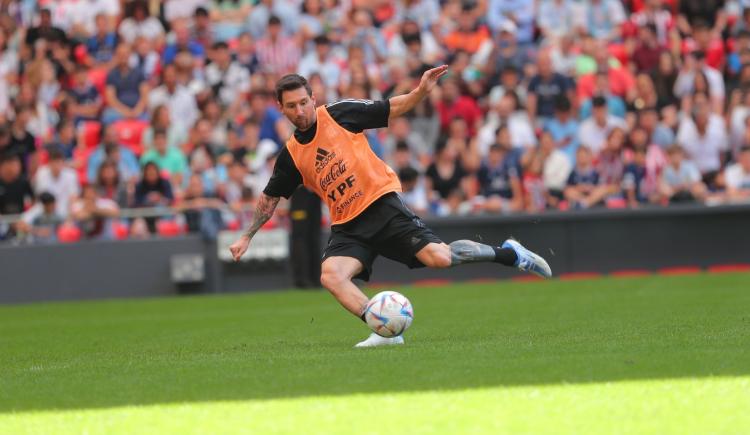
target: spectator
<point>153,190</point>
<point>453,104</point>
<point>101,45</point>
<point>127,90</point>
<point>584,189</point>
<point>544,88</point>
<point>138,23</point>
<point>183,110</point>
<point>703,136</point>
<point>161,120</point>
<point>45,31</point>
<point>446,180</point>
<point>228,17</point>
<point>681,179</point>
<point>563,129</point>
<point>65,139</point>
<point>110,186</point>
<point>245,53</point>
<point>183,42</point>
<point>654,13</point>
<point>657,133</point>
<point>499,180</point>
<point>634,179</point>
<point>59,180</point>
<point>41,221</point>
<point>228,80</point>
<point>615,104</point>
<point>469,36</point>
<point>110,148</point>
<point>145,58</point>
<point>603,19</point>
<point>609,164</point>
<point>94,215</point>
<point>545,174</point>
<point>509,82</point>
<point>201,209</point>
<point>520,12</point>
<point>737,177</point>
<point>273,126</point>
<point>507,113</point>
<point>646,55</point>
<point>85,99</point>
<point>664,79</point>
<point>400,131</point>
<point>413,190</point>
<point>320,61</point>
<point>504,52</point>
<point>168,158</point>
<point>414,42</point>
<point>22,143</point>
<point>594,131</point>
<point>696,73</point>
<point>277,54</point>
<point>557,18</point>
<point>15,190</point>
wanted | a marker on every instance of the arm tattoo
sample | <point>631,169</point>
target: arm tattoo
<point>263,212</point>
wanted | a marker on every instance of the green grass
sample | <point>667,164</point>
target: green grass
<point>641,355</point>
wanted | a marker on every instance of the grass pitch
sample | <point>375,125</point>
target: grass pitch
<point>639,355</point>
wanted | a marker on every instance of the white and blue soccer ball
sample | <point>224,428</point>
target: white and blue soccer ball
<point>389,314</point>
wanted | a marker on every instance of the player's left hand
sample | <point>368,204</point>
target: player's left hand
<point>431,77</point>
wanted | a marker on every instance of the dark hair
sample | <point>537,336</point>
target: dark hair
<point>562,104</point>
<point>321,40</point>
<point>200,11</point>
<point>160,132</point>
<point>46,198</point>
<point>599,101</point>
<point>745,149</point>
<point>55,153</point>
<point>221,45</point>
<point>107,164</point>
<point>274,21</point>
<point>291,82</point>
<point>408,174</point>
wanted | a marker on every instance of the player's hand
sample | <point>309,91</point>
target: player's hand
<point>431,77</point>
<point>239,247</point>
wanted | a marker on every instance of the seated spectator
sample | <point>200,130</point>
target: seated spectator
<point>681,180</point>
<point>22,143</point>
<point>696,76</point>
<point>277,53</point>
<point>703,136</point>
<point>414,41</point>
<point>646,55</point>
<point>183,42</point>
<point>59,180</point>
<point>127,90</point>
<point>469,35</point>
<point>510,81</point>
<point>153,190</point>
<point>183,111</point>
<point>594,131</point>
<point>15,190</point>
<point>161,119</point>
<point>110,186</point>
<point>203,30</point>
<point>41,221</point>
<point>634,178</point>
<point>737,177</point>
<point>146,58</point>
<point>101,45</point>
<point>228,17</point>
<point>545,88</point>
<point>453,104</point>
<point>563,129</point>
<point>446,180</point>
<point>520,13</point>
<point>603,19</point>
<point>557,18</point>
<point>168,158</point>
<point>400,131</point>
<point>507,112</point>
<point>609,162</point>
<point>138,23</point>
<point>85,99</point>
<point>413,190</point>
<point>500,181</point>
<point>272,123</point>
<point>584,189</point>
<point>402,158</point>
<point>615,104</point>
<point>202,210</point>
<point>254,151</point>
<point>545,174</point>
<point>65,140</point>
<point>656,131</point>
<point>228,80</point>
<point>245,53</point>
<point>111,149</point>
<point>321,61</point>
<point>94,215</point>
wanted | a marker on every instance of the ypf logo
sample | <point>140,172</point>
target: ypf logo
<point>322,158</point>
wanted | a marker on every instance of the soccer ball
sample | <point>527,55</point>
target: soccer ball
<point>389,313</point>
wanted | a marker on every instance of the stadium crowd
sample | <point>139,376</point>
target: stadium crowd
<point>108,105</point>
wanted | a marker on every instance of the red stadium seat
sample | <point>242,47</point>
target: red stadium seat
<point>120,230</point>
<point>168,228</point>
<point>233,225</point>
<point>89,133</point>
<point>130,133</point>
<point>68,233</point>
<point>81,162</point>
<point>98,77</point>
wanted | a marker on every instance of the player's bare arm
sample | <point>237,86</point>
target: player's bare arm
<point>263,212</point>
<point>401,104</point>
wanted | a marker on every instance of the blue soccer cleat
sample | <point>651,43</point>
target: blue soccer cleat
<point>529,261</point>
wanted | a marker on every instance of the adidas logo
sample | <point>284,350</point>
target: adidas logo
<point>322,158</point>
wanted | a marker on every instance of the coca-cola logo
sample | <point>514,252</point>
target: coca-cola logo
<point>335,172</point>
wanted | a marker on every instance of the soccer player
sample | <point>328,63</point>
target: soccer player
<point>330,155</point>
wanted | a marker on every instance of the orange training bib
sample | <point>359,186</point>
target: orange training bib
<point>341,169</point>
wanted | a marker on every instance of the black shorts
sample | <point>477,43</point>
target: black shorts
<point>388,228</point>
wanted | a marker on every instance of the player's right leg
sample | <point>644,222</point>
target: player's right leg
<point>336,276</point>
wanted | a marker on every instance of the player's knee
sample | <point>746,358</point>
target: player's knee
<point>332,278</point>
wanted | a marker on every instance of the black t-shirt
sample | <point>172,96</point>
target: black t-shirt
<point>13,195</point>
<point>353,115</point>
<point>445,186</point>
<point>22,147</point>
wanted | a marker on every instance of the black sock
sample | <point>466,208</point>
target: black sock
<point>505,256</point>
<point>363,317</point>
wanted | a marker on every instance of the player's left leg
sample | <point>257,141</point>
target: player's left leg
<point>512,253</point>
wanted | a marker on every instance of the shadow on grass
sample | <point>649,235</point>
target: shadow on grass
<point>95,355</point>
